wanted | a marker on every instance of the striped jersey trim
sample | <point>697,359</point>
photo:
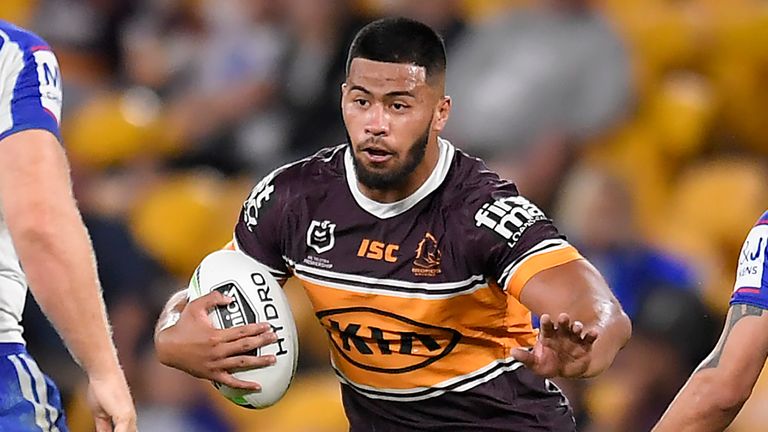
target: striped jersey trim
<point>29,375</point>
<point>457,384</point>
<point>41,387</point>
<point>542,247</point>
<point>391,287</point>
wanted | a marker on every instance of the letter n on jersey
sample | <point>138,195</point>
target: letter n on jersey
<point>377,250</point>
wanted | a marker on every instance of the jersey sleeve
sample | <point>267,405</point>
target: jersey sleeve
<point>31,96</point>
<point>260,229</point>
<point>516,239</point>
<point>751,285</point>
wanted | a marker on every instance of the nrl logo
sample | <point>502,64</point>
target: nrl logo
<point>320,236</point>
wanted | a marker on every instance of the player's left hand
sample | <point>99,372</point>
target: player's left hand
<point>563,348</point>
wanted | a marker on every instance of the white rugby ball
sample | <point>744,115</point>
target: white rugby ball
<point>258,297</point>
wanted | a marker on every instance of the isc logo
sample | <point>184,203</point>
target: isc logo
<point>385,342</point>
<point>377,250</point>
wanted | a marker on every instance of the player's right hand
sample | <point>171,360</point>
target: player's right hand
<point>563,349</point>
<point>194,346</point>
<point>111,404</point>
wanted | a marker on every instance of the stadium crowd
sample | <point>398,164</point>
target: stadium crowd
<point>636,124</point>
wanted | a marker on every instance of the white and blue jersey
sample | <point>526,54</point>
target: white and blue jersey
<point>29,400</point>
<point>751,285</point>
<point>30,98</point>
<point>30,82</point>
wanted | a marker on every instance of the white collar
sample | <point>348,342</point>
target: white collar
<point>388,210</point>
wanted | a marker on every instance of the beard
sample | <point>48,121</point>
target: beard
<point>394,177</point>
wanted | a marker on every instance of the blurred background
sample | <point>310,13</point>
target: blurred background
<point>636,124</point>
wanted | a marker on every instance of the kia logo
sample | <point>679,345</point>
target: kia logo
<point>385,342</point>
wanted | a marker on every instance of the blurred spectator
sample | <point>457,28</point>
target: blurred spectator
<point>531,84</point>
<point>86,27</point>
<point>712,238</point>
<point>86,34</point>
<point>160,44</point>
<point>218,70</point>
<point>314,70</point>
<point>595,212</point>
<point>442,15</point>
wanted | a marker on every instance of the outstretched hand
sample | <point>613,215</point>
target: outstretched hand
<point>563,348</point>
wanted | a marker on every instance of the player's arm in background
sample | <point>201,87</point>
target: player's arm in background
<point>48,232</point>
<point>582,324</point>
<point>186,340</point>
<point>718,388</point>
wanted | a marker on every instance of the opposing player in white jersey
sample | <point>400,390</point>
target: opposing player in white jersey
<point>44,245</point>
<point>722,383</point>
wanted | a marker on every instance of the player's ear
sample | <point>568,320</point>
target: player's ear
<point>344,89</point>
<point>442,112</point>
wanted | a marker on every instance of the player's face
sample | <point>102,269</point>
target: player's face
<point>392,115</point>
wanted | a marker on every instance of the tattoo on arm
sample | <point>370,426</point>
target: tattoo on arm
<point>738,312</point>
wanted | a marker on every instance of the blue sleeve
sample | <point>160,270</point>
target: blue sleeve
<point>30,84</point>
<point>751,285</point>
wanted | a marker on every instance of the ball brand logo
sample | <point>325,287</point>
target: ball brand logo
<point>320,236</point>
<point>384,342</point>
<point>428,257</point>
<point>238,312</point>
<point>509,217</point>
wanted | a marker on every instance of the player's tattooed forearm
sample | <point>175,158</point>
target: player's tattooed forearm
<point>738,312</point>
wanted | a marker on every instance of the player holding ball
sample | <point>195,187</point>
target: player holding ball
<point>422,265</point>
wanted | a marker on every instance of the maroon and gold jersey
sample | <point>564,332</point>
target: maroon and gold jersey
<point>419,297</point>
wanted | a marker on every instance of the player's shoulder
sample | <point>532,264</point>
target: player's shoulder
<point>311,172</point>
<point>755,245</point>
<point>293,183</point>
<point>24,39</point>
<point>474,186</point>
<point>758,235</point>
<point>472,182</point>
<point>752,272</point>
<point>30,79</point>
<point>487,202</point>
<point>763,220</point>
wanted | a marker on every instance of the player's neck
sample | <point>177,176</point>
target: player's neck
<point>415,180</point>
